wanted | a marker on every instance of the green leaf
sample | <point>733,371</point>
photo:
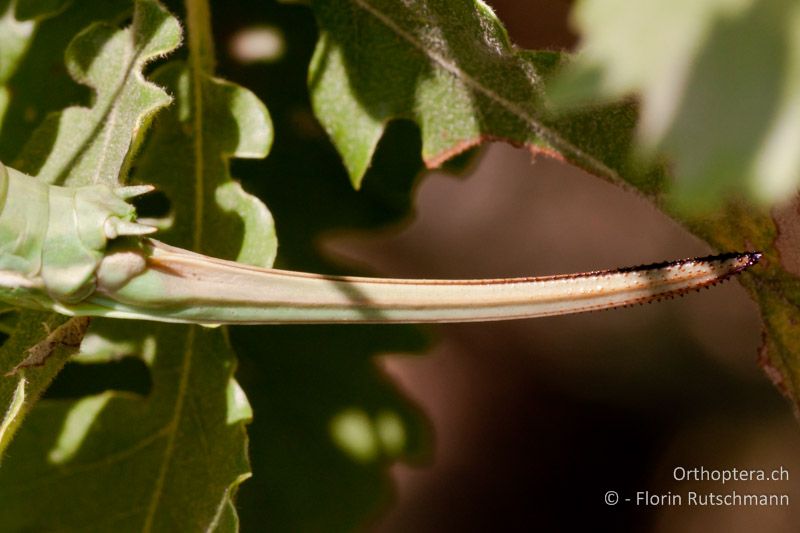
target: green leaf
<point>304,381</point>
<point>16,33</point>
<point>448,66</point>
<point>18,22</point>
<point>123,462</point>
<point>719,83</point>
<point>14,38</point>
<point>83,145</point>
<point>40,9</point>
<point>20,388</point>
<point>41,57</point>
<point>211,213</point>
<point>184,445</point>
<point>117,104</point>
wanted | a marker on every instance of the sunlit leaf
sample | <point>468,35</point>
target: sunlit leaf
<point>181,450</point>
<point>97,158</point>
<point>719,83</point>
<point>81,145</point>
<point>448,66</point>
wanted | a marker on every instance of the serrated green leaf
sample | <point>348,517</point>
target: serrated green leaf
<point>149,19</point>
<point>307,383</point>
<point>29,98</point>
<point>184,445</point>
<point>82,145</point>
<point>448,66</point>
<point>207,204</point>
<point>121,462</point>
<point>194,399</point>
<point>224,221</point>
<point>719,84</point>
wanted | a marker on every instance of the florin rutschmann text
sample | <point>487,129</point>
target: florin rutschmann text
<point>704,499</point>
<point>744,497</point>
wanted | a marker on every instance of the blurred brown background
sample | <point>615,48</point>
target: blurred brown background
<point>535,420</point>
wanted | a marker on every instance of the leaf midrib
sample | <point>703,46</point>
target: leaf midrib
<point>537,127</point>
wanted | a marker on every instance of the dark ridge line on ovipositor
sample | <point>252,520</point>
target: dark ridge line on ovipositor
<point>752,259</point>
<point>645,300</point>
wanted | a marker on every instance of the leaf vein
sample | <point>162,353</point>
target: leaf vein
<point>172,429</point>
<point>532,121</point>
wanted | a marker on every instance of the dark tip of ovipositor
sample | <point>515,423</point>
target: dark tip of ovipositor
<point>755,257</point>
<point>744,260</point>
<point>752,259</point>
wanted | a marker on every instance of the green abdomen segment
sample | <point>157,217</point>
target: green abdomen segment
<point>55,237</point>
<point>24,216</point>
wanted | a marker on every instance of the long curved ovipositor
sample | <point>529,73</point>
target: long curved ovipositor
<point>179,286</point>
<point>74,261</point>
